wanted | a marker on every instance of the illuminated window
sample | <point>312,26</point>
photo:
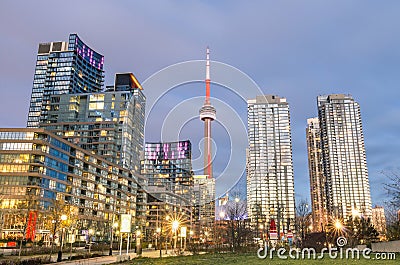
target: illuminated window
<point>96,97</point>
<point>69,133</point>
<point>73,107</point>
<point>96,105</point>
<point>74,99</point>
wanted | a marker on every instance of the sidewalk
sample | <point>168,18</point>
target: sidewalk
<point>96,261</point>
<point>111,259</point>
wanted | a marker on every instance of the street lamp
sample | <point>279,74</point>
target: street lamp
<point>59,257</point>
<point>221,215</point>
<point>158,232</point>
<point>138,246</point>
<point>338,225</point>
<point>221,218</point>
<point>166,240</point>
<point>175,226</point>
<point>91,231</point>
<point>114,226</point>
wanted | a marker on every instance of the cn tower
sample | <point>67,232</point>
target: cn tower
<point>207,114</point>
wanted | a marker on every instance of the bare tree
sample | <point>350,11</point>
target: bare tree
<point>393,205</point>
<point>302,218</point>
<point>393,188</point>
<point>237,229</point>
<point>55,223</point>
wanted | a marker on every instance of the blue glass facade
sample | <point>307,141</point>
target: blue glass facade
<point>63,67</point>
<point>40,169</point>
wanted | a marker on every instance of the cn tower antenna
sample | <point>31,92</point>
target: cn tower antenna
<point>208,75</point>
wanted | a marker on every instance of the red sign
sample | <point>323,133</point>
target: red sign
<point>272,230</point>
<point>31,228</point>
<point>11,244</point>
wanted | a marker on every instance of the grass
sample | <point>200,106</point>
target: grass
<point>252,259</point>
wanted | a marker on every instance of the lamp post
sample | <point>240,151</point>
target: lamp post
<point>166,240</point>
<point>59,257</point>
<point>72,240</point>
<point>138,246</point>
<point>114,226</point>
<point>91,231</point>
<point>175,226</point>
<point>158,231</point>
<point>221,219</point>
<point>191,233</point>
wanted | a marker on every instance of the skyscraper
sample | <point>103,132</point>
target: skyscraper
<point>63,67</point>
<point>270,166</point>
<point>317,177</point>
<point>204,210</point>
<point>343,155</point>
<point>109,123</point>
<point>167,167</point>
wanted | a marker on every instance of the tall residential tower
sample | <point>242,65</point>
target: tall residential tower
<point>269,164</point>
<point>63,67</point>
<point>343,156</point>
<point>317,177</point>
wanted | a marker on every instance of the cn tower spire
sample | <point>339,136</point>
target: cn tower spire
<point>207,114</point>
<point>208,75</point>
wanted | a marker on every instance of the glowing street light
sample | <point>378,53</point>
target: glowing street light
<point>338,225</point>
<point>175,226</point>
<point>222,214</point>
<point>63,219</point>
<point>138,245</point>
<point>355,213</point>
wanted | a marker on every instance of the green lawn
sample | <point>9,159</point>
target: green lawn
<point>250,259</point>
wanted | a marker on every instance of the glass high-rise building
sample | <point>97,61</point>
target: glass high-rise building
<point>317,177</point>
<point>269,164</point>
<point>109,123</point>
<point>63,67</point>
<point>167,168</point>
<point>42,174</point>
<point>204,208</point>
<point>343,156</point>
